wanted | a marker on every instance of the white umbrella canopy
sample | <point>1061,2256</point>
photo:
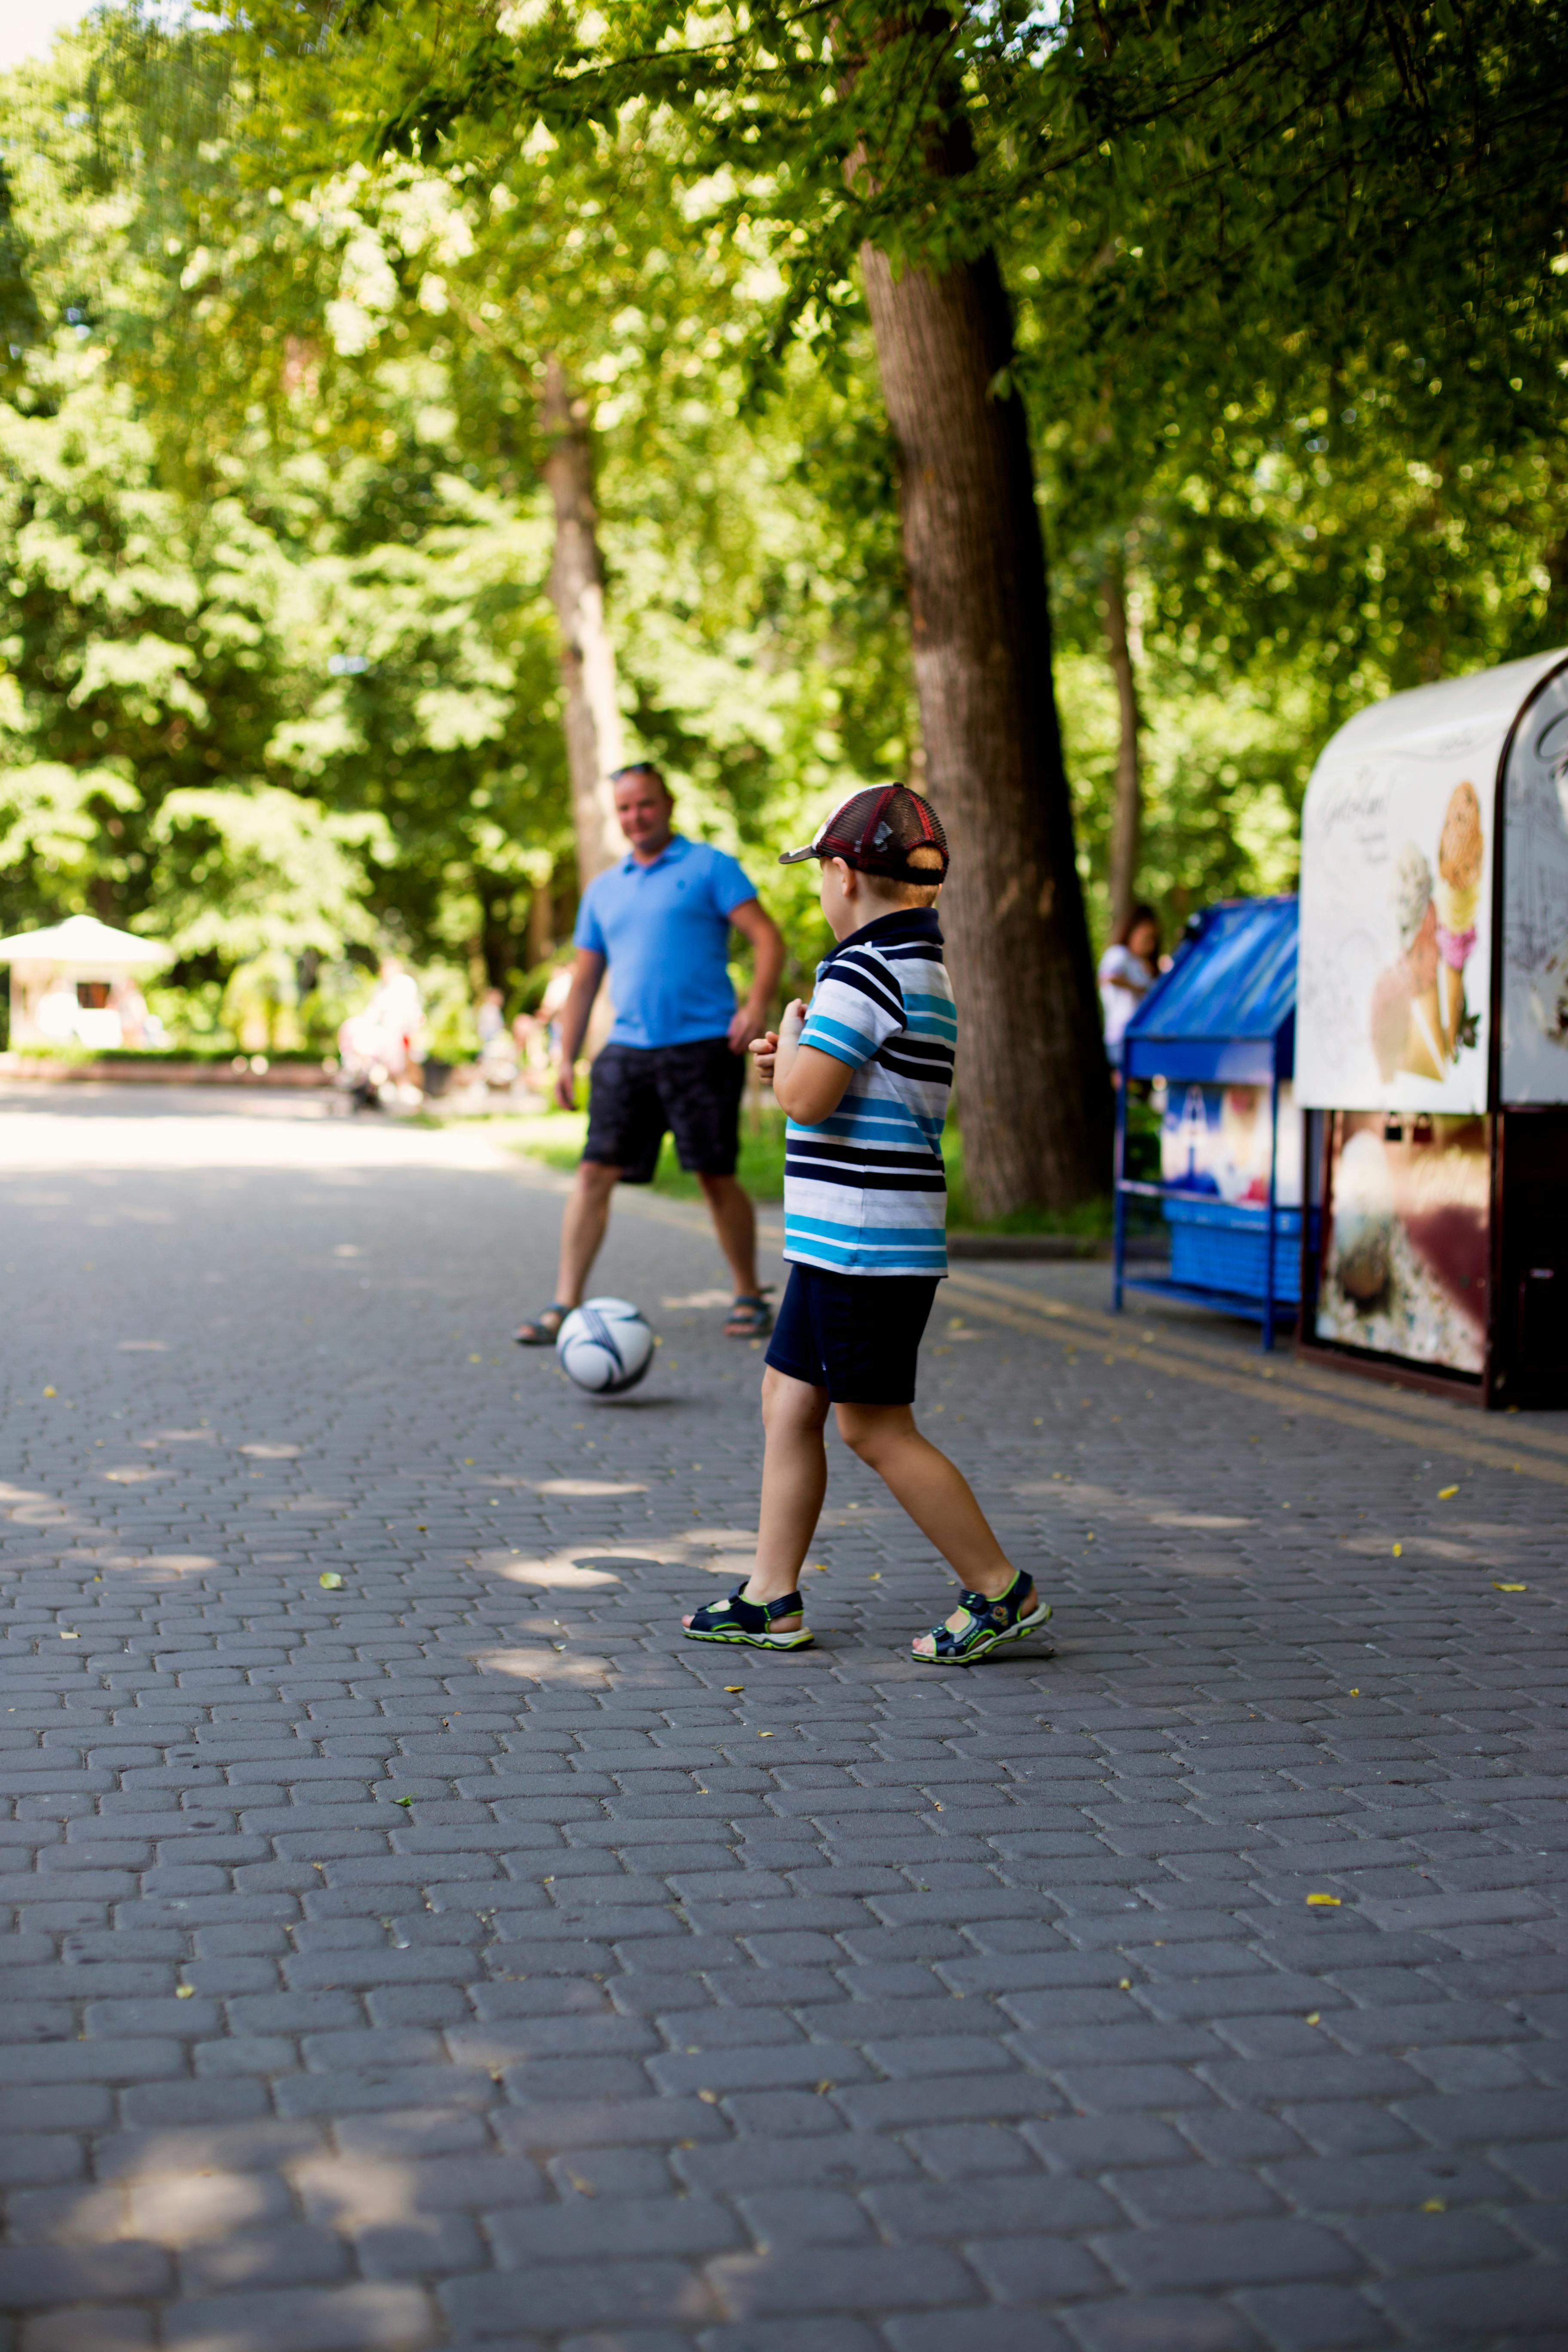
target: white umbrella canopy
<point>82,939</point>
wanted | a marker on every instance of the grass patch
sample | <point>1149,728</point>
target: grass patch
<point>556,1138</point>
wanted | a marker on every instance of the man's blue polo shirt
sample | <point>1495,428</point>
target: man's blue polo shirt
<point>664,930</point>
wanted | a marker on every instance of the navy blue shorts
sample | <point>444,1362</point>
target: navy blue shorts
<point>857,1336</point>
<point>636,1093</point>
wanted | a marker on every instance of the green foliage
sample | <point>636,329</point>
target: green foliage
<point>52,818</point>
<point>278,668</point>
<point>279,531</point>
<point>257,874</point>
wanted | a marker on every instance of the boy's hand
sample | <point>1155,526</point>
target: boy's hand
<point>784,1039</point>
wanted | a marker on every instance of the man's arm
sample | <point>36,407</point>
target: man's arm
<point>767,963</point>
<point>587,972</point>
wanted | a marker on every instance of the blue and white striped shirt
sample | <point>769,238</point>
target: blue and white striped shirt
<point>865,1190</point>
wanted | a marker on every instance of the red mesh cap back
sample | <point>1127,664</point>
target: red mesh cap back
<point>874,830</point>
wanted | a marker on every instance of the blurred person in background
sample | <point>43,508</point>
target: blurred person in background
<point>1128,970</point>
<point>383,1046</point>
<point>139,1030</point>
<point>498,1046</point>
<point>489,1020</point>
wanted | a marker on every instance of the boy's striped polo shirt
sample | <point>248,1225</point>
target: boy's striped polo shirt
<point>865,1190</point>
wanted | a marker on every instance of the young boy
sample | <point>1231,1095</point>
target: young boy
<point>864,1077</point>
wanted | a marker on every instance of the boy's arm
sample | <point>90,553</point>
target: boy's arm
<point>808,1084</point>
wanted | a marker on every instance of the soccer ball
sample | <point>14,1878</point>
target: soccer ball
<point>605,1346</point>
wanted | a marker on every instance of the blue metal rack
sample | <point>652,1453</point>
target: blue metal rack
<point>1224,1014</point>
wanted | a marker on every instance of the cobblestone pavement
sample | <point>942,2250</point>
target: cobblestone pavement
<point>450,1956</point>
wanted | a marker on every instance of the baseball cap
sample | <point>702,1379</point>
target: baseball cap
<point>874,831</point>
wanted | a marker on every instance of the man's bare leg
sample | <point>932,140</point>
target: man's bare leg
<point>794,1481</point>
<point>736,1222</point>
<point>583,1224</point>
<point>583,1227</point>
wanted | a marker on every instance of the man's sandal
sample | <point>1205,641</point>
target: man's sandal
<point>979,1625</point>
<point>544,1328</point>
<point>750,1317</point>
<point>751,1621</point>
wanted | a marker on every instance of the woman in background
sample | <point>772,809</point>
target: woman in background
<point>1128,970</point>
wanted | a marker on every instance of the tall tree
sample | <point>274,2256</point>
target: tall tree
<point>1033,1096</point>
<point>1034,1101</point>
<point>1127,788</point>
<point>593,714</point>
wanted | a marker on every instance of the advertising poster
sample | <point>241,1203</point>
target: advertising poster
<point>1215,1140</point>
<point>1406,1265</point>
<point>1535,904</point>
<point>1395,926</point>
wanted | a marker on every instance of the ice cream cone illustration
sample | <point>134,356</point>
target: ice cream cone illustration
<point>1455,899</point>
<point>1423,1043</point>
<point>1406,1017</point>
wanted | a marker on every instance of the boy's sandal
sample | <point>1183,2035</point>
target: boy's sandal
<point>979,1625</point>
<point>751,1621</point>
<point>750,1317</point>
<point>545,1328</point>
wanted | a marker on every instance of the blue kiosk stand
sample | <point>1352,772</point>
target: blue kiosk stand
<point>1219,1031</point>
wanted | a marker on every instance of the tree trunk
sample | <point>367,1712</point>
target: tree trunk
<point>540,926</point>
<point>1127,803</point>
<point>1034,1092</point>
<point>497,948</point>
<point>594,741</point>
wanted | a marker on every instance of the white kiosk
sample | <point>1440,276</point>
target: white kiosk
<point>68,983</point>
<point>1432,1038</point>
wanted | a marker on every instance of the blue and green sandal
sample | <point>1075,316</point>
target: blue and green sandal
<point>978,1625</point>
<point>751,1621</point>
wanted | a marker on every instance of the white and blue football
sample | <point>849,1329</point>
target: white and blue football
<point>605,1346</point>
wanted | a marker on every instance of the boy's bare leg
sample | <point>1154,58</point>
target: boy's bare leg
<point>935,1493</point>
<point>794,1481</point>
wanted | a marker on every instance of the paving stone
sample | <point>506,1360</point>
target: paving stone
<point>362,2318</point>
<point>780,2336</point>
<point>34,2277</point>
<point>1509,2308</point>
<point>840,2279</point>
<point>1314,2318</point>
<point>100,2328</point>
<point>1193,2192</point>
<point>997,1992</point>
<point>1227,2253</point>
<point>555,2300</point>
<point>992,2330</point>
<point>1163,2324</point>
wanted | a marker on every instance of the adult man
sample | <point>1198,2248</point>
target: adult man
<point>676,1058</point>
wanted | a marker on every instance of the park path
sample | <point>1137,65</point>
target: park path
<point>450,1956</point>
